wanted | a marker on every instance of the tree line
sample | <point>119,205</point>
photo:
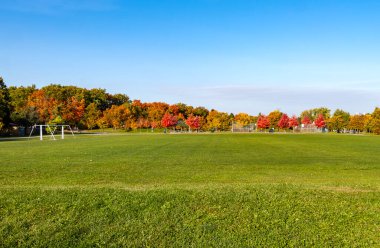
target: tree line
<point>95,108</point>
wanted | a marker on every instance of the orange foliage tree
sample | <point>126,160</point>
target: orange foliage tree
<point>117,116</point>
<point>46,107</point>
<point>73,111</point>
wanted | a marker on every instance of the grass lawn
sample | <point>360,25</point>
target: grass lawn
<point>201,190</point>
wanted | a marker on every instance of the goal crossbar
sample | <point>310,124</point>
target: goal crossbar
<point>51,129</point>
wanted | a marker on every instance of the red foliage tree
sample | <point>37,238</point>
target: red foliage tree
<point>283,123</point>
<point>168,120</point>
<point>320,121</point>
<point>193,122</point>
<point>306,120</point>
<point>293,122</point>
<point>263,122</point>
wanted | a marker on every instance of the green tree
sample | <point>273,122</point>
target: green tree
<point>21,113</point>
<point>313,113</point>
<point>182,109</point>
<point>340,120</point>
<point>91,116</point>
<point>336,123</point>
<point>117,99</point>
<point>4,104</point>
<point>97,96</point>
<point>375,121</point>
<point>322,110</point>
<point>200,111</point>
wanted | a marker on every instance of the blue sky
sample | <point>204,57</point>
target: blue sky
<point>236,56</point>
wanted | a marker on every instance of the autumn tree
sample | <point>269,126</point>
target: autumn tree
<point>274,117</point>
<point>138,109</point>
<point>117,116</point>
<point>103,122</point>
<point>306,120</point>
<point>218,121</point>
<point>376,113</point>
<point>335,123</point>
<point>189,110</point>
<point>283,123</point>
<point>95,107</point>
<point>156,111</point>
<point>263,122</point>
<point>293,122</point>
<point>375,121</point>
<point>174,110</point>
<point>320,121</point>
<point>367,123</point>
<point>154,124</point>
<point>142,123</point>
<point>213,120</point>
<point>61,93</point>
<point>168,121</point>
<point>357,123</point>
<point>376,126</point>
<point>182,109</point>
<point>314,113</point>
<point>47,108</point>
<point>73,111</point>
<point>306,115</point>
<point>340,120</point>
<point>202,123</point>
<point>91,116</point>
<point>200,111</point>
<point>193,122</point>
<point>243,119</point>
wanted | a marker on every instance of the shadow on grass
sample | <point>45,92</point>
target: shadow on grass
<point>3,139</point>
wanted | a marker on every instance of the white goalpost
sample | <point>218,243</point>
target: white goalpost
<point>52,129</point>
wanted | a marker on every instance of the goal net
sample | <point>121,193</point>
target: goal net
<point>238,128</point>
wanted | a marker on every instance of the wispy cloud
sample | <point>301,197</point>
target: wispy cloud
<point>292,100</point>
<point>53,6</point>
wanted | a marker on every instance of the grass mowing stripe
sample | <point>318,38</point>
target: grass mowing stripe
<point>221,190</point>
<point>248,216</point>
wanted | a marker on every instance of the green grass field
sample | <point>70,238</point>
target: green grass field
<point>201,190</point>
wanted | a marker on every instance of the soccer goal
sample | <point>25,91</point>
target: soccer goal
<point>238,128</point>
<point>51,130</point>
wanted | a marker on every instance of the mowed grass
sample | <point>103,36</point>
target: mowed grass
<point>200,190</point>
